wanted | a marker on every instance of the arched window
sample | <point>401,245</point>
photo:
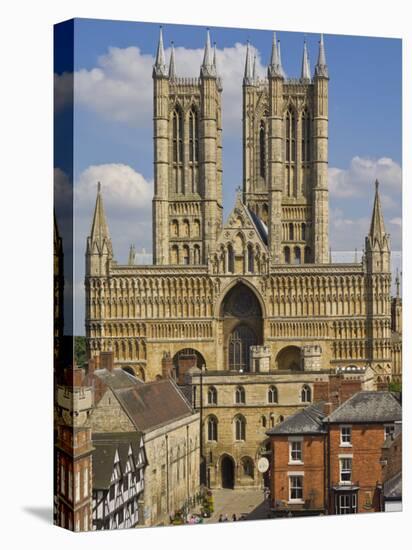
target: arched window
<point>193,148</point>
<point>303,231</point>
<point>212,396</point>
<point>272,394</point>
<point>263,421</point>
<point>306,394</point>
<point>174,256</point>
<point>297,255</point>
<point>240,428</point>
<point>240,398</point>
<point>185,228</point>
<point>262,152</point>
<point>291,232</point>
<point>287,255</point>
<point>231,259</point>
<point>272,420</point>
<point>196,228</point>
<point>240,341</point>
<point>186,255</point>
<point>290,153</point>
<point>247,466</point>
<point>196,254</point>
<point>305,136</point>
<point>307,255</point>
<point>281,418</point>
<point>212,428</point>
<point>175,228</point>
<point>177,154</point>
<point>264,214</point>
<point>250,259</point>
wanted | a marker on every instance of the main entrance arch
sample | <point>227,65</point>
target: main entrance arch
<point>289,358</point>
<point>242,326</point>
<point>227,467</point>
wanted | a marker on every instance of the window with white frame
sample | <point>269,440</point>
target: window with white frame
<point>346,503</point>
<point>389,430</point>
<point>272,394</point>
<point>295,451</point>
<point>306,394</point>
<point>345,470</point>
<point>212,396</point>
<point>240,395</point>
<point>296,487</point>
<point>346,436</point>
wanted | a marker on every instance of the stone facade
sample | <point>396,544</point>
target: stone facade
<point>263,278</point>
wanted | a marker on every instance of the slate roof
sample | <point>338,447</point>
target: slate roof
<point>307,421</point>
<point>261,227</point>
<point>117,378</point>
<point>105,445</point>
<point>368,406</point>
<point>392,489</point>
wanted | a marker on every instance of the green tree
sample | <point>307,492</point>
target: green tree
<point>80,350</point>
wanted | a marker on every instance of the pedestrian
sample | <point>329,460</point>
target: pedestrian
<point>220,518</point>
<point>234,518</point>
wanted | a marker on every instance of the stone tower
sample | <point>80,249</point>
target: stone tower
<point>187,204</point>
<point>285,156</point>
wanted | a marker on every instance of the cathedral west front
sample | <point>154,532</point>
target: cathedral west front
<point>248,313</point>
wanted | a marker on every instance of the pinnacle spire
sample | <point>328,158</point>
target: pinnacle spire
<point>160,68</point>
<point>214,57</point>
<point>377,227</point>
<point>248,76</point>
<point>274,67</point>
<point>207,68</point>
<point>305,72</point>
<point>321,68</point>
<point>172,68</point>
<point>280,61</point>
<point>99,233</point>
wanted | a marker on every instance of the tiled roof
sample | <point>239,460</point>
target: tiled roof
<point>307,421</point>
<point>368,406</point>
<point>392,489</point>
<point>103,455</point>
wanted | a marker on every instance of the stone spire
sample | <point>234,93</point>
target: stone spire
<point>305,72</point>
<point>99,234</point>
<point>254,68</point>
<point>208,69</point>
<point>248,76</point>
<point>275,68</point>
<point>132,255</point>
<point>280,61</point>
<point>172,68</point>
<point>377,227</point>
<point>321,69</point>
<point>215,58</point>
<point>160,67</point>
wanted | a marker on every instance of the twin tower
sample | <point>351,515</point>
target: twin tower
<point>285,158</point>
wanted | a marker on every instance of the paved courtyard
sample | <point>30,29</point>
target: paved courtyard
<point>250,503</point>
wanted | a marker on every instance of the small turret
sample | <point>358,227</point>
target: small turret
<point>377,241</point>
<point>321,68</point>
<point>305,72</point>
<point>99,244</point>
<point>172,68</point>
<point>160,67</point>
<point>208,68</point>
<point>275,68</point>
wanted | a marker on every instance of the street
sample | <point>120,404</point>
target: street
<point>249,503</point>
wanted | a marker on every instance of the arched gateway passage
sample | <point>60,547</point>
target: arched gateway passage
<point>228,472</point>
<point>242,326</point>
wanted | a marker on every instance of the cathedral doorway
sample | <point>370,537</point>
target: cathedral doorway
<point>228,472</point>
<point>242,326</point>
<point>289,358</point>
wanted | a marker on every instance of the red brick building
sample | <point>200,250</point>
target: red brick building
<point>328,457</point>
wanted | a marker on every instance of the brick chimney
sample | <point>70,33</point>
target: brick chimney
<point>74,376</point>
<point>107,360</point>
<point>167,365</point>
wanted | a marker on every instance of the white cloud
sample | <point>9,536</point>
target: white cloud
<point>63,91</point>
<point>123,188</point>
<point>120,87</point>
<point>357,180</point>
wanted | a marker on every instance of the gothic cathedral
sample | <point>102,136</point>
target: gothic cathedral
<point>253,304</point>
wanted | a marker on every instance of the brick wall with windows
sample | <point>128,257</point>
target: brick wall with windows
<point>297,457</point>
<point>357,463</point>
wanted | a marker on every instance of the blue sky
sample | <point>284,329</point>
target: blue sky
<point>113,126</point>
